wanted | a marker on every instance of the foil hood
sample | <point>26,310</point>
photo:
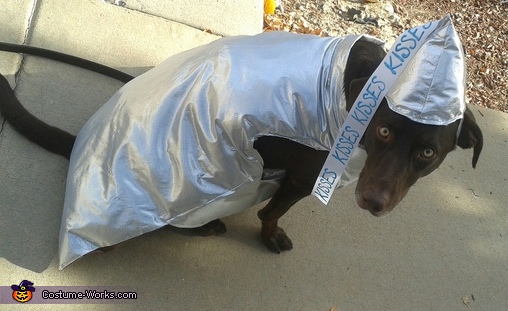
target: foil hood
<point>431,89</point>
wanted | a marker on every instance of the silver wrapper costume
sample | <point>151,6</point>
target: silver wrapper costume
<point>175,145</point>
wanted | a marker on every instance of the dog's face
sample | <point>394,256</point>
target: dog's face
<point>399,152</point>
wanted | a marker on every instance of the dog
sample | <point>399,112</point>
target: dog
<point>399,150</point>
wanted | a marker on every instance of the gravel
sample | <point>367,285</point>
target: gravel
<point>481,25</point>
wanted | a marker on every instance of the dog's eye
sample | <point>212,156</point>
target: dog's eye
<point>428,153</point>
<point>383,131</point>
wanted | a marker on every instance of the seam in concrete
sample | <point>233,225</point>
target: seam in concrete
<point>115,2</point>
<point>28,30</point>
<point>26,37</point>
<point>3,124</point>
<point>122,4</point>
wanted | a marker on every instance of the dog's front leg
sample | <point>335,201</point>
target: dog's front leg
<point>302,165</point>
<point>288,194</point>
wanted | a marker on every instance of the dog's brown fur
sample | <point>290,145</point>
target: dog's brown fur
<point>399,151</point>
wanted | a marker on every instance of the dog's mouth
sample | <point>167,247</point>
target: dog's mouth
<point>379,214</point>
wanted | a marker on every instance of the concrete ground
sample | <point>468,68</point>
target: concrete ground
<point>445,247</point>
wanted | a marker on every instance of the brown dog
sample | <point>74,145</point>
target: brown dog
<point>399,150</point>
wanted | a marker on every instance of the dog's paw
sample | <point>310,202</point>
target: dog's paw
<point>277,240</point>
<point>214,227</point>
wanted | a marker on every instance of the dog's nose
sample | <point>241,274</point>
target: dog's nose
<point>375,201</point>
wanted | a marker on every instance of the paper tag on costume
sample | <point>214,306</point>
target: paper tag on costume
<point>366,105</point>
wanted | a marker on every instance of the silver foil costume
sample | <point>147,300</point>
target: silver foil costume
<point>175,145</point>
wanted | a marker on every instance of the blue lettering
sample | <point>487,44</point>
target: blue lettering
<point>355,116</point>
<point>382,85</point>
<point>398,56</point>
<point>338,158</point>
<point>405,38</point>
<point>348,138</point>
<point>371,97</point>
<point>320,193</point>
<point>344,150</point>
<point>427,26</point>
<point>403,51</point>
<point>327,171</point>
<point>365,108</point>
<point>374,94</point>
<point>325,184</point>
<point>391,66</point>
<point>346,143</point>
<point>414,32</point>
<point>354,134</point>
<point>401,48</point>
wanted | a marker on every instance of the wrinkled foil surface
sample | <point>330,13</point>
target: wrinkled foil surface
<point>431,89</point>
<point>175,145</point>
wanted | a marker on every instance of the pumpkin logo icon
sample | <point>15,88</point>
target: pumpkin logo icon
<point>23,291</point>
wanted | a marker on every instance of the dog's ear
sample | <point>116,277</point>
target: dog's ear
<point>355,87</point>
<point>471,136</point>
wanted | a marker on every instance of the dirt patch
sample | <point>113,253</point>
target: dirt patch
<point>481,25</point>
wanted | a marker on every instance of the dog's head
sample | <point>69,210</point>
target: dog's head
<point>400,151</point>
